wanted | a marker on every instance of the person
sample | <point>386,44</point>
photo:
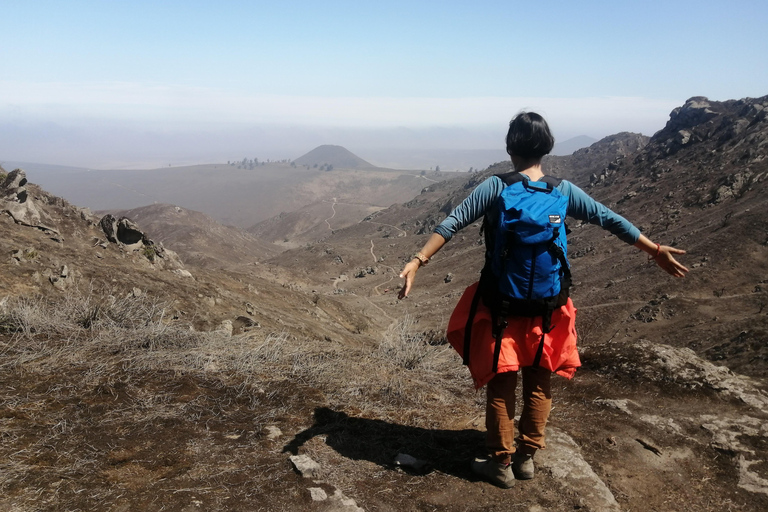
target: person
<point>528,140</point>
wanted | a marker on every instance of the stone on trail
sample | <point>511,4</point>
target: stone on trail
<point>273,432</point>
<point>307,467</point>
<point>317,493</point>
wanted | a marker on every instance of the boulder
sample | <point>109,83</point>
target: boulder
<point>128,233</point>
<point>15,200</point>
<point>108,224</point>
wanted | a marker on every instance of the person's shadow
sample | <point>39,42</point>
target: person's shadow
<point>447,451</point>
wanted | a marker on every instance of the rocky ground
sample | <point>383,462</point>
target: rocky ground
<point>302,383</point>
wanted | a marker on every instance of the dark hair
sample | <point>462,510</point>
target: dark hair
<point>529,136</point>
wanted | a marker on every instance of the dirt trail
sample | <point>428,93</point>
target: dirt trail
<point>384,313</point>
<point>388,225</point>
<point>376,288</point>
<point>615,303</point>
<point>333,207</point>
<point>391,269</point>
<point>424,178</point>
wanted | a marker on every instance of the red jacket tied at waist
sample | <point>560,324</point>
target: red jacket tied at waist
<point>520,340</point>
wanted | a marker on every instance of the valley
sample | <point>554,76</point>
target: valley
<point>183,368</point>
<point>246,192</point>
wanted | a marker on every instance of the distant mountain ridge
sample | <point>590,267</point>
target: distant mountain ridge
<point>337,156</point>
<point>567,147</point>
<point>593,159</point>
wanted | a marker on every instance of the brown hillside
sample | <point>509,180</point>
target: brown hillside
<point>198,238</point>
<point>233,194</point>
<point>354,196</point>
<point>593,159</point>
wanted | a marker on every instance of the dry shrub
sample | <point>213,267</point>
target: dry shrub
<point>246,358</point>
<point>406,347</point>
<point>68,328</point>
<point>100,329</point>
<point>78,310</point>
<point>102,333</point>
<point>402,378</point>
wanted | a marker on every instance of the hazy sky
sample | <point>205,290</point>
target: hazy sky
<point>94,82</point>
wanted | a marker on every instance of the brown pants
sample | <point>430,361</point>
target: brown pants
<point>500,412</point>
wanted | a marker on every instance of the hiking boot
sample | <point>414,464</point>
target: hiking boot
<point>497,473</point>
<point>522,465</point>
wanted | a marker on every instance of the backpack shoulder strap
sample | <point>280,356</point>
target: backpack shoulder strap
<point>513,177</point>
<point>510,177</point>
<point>551,180</point>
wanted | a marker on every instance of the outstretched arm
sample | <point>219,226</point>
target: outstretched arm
<point>662,255</point>
<point>581,206</point>
<point>433,245</point>
<point>467,212</point>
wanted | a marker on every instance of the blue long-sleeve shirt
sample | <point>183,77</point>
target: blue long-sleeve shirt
<point>483,200</point>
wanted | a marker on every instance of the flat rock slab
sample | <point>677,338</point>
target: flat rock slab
<point>564,461</point>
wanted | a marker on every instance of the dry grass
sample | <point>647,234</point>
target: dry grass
<point>104,395</point>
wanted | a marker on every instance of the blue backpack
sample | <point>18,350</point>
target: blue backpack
<point>526,270</point>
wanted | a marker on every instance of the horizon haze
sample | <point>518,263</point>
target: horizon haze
<point>112,85</point>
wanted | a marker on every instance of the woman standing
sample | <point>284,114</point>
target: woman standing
<point>535,346</point>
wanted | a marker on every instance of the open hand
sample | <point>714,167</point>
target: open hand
<point>667,261</point>
<point>409,273</point>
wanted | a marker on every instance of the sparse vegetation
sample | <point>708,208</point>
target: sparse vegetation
<point>156,383</point>
<point>407,348</point>
<point>149,252</point>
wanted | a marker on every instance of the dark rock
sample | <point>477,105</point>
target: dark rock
<point>16,179</point>
<point>128,232</point>
<point>108,224</point>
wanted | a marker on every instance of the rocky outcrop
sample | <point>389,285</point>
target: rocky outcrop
<point>129,237</point>
<point>16,202</point>
<point>607,152</point>
<point>700,120</point>
<point>123,231</point>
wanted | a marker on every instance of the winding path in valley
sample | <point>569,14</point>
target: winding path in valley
<point>391,269</point>
<point>388,225</point>
<point>333,207</point>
